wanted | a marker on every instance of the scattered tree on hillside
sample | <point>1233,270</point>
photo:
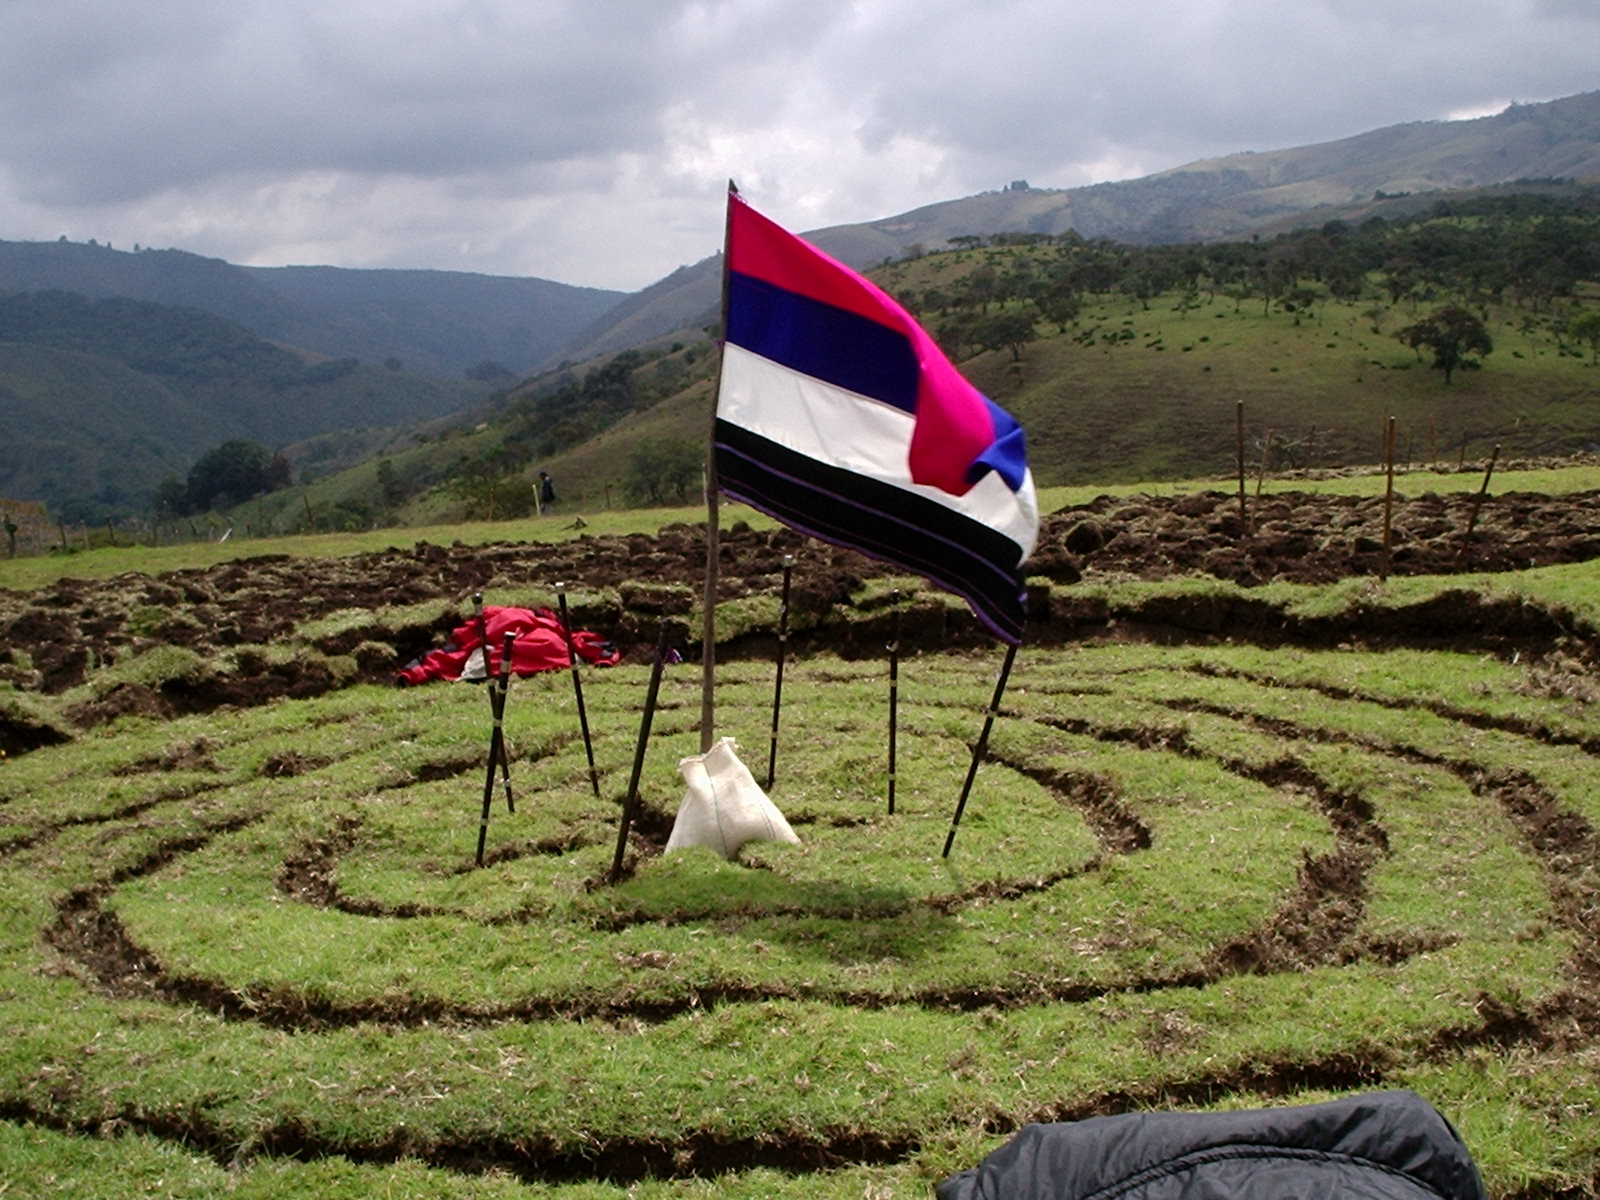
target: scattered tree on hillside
<point>391,487</point>
<point>664,469</point>
<point>491,494</point>
<point>1452,333</point>
<point>227,475</point>
<point>278,474</point>
<point>1585,327</point>
<point>1007,331</point>
<point>1059,305</point>
<point>172,498</point>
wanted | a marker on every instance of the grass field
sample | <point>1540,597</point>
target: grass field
<point>248,953</point>
<point>1185,878</point>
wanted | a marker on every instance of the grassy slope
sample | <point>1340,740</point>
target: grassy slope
<point>186,828</point>
<point>1132,392</point>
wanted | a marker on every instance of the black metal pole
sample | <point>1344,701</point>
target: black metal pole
<point>504,682</point>
<point>982,746</point>
<point>497,702</point>
<point>628,802</point>
<point>783,653</point>
<point>577,687</point>
<point>483,634</point>
<point>495,716</point>
<point>497,742</point>
<point>894,691</point>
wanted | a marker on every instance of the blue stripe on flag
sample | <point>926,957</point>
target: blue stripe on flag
<point>824,342</point>
<point>1006,455</point>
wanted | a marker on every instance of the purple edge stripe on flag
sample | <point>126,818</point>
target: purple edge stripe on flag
<point>982,605</point>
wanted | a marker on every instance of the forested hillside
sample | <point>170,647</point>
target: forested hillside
<point>1393,173</point>
<point>441,323</point>
<point>1127,362</point>
<point>100,400</point>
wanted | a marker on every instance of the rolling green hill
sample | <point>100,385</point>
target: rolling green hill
<point>1127,363</point>
<point>1391,172</point>
<point>1143,327</point>
<point>434,322</point>
<point>102,399</point>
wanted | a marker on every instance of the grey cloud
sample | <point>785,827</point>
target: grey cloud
<point>492,134</point>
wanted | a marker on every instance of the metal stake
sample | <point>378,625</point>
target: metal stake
<point>577,687</point>
<point>894,690</point>
<point>982,746</point>
<point>629,801</point>
<point>1388,497</point>
<point>783,653</point>
<point>1477,501</point>
<point>497,741</point>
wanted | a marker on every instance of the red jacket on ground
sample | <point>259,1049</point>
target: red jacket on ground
<point>541,645</point>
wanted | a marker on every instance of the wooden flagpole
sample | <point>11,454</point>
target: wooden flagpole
<point>708,630</point>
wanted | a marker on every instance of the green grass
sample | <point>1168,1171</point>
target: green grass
<point>335,1002</point>
<point>1207,875</point>
<point>1140,391</point>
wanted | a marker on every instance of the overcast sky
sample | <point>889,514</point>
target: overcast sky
<point>590,141</point>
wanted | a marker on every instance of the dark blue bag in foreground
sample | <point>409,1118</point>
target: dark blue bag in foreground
<point>1382,1146</point>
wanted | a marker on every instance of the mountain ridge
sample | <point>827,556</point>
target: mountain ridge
<point>448,323</point>
<point>1234,195</point>
<point>337,312</point>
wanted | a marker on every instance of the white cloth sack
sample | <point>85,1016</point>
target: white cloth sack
<point>724,807</point>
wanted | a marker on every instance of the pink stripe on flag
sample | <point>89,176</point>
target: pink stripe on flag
<point>952,426</point>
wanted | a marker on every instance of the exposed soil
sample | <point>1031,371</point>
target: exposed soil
<point>52,640</point>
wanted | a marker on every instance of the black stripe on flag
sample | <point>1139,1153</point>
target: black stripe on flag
<point>960,554</point>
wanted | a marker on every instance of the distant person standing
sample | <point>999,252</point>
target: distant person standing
<point>547,492</point>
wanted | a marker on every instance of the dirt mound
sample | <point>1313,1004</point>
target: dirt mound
<point>52,640</point>
<point>1313,538</point>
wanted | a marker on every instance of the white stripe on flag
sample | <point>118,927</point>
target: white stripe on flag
<point>859,434</point>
